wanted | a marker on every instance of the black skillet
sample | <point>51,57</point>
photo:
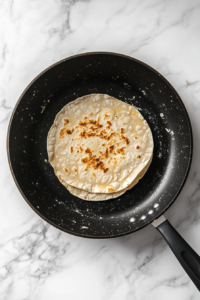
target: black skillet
<point>137,84</point>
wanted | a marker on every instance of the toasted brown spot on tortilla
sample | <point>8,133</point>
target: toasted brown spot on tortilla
<point>90,114</point>
<point>102,134</point>
<point>65,169</point>
<point>83,125</point>
<point>71,149</point>
<point>93,175</point>
<point>136,137</point>
<point>121,150</point>
<point>138,156</point>
<point>111,148</point>
<point>83,134</point>
<point>137,147</point>
<point>109,124</point>
<point>66,121</point>
<point>127,141</point>
<point>104,154</point>
<point>68,131</point>
<point>106,116</point>
<point>88,150</point>
<point>90,133</point>
<point>91,122</point>
<point>84,160</point>
<point>114,161</point>
<point>65,131</point>
<point>93,161</point>
<point>110,190</point>
<point>122,130</point>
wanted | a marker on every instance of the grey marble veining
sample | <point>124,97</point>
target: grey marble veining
<point>36,260</point>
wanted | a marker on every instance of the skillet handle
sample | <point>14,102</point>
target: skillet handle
<point>187,257</point>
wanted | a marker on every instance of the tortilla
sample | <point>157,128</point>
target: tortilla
<point>99,144</point>
<point>102,196</point>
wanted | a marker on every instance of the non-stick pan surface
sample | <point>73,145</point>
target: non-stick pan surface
<point>131,81</point>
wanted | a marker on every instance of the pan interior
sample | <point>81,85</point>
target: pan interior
<point>130,81</point>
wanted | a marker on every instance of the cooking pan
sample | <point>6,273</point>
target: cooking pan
<point>135,83</point>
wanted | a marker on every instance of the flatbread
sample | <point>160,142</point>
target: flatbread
<point>99,144</point>
<point>102,196</point>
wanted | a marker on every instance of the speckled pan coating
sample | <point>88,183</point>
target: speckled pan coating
<point>131,81</point>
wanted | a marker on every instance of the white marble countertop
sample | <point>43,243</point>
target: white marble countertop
<point>38,261</point>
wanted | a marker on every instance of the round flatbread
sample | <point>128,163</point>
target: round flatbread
<point>102,196</point>
<point>99,144</point>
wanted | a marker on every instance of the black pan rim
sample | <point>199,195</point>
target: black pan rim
<point>10,164</point>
